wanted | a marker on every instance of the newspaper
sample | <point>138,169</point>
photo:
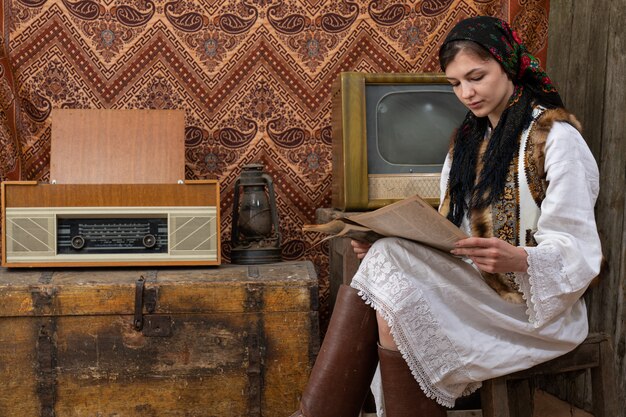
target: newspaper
<point>411,218</point>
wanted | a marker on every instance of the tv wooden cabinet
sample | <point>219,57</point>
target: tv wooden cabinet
<point>343,262</point>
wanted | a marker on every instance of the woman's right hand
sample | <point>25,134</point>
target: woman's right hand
<point>360,248</point>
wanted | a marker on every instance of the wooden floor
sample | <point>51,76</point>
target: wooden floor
<point>467,413</point>
<point>545,406</point>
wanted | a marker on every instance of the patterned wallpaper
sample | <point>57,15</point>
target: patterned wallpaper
<point>253,77</point>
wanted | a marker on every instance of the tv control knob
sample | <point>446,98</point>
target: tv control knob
<point>78,242</point>
<point>149,241</point>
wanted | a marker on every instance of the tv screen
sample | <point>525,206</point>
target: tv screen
<point>411,127</point>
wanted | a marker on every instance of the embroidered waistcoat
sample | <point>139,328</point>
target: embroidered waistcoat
<point>514,216</point>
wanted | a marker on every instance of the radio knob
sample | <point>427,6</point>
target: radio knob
<point>149,241</point>
<point>78,242</point>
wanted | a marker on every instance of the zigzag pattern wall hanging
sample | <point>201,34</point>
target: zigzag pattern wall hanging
<point>253,77</point>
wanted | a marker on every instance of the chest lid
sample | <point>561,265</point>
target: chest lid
<point>280,287</point>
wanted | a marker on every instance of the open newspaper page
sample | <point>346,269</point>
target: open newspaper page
<point>413,219</point>
<point>343,228</point>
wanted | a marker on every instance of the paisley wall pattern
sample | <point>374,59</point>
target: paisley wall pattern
<point>253,76</point>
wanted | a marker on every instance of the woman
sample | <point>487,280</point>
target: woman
<point>520,180</point>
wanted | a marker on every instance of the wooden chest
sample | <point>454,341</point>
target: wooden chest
<point>231,341</point>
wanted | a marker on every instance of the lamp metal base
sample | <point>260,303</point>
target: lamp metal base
<point>251,256</point>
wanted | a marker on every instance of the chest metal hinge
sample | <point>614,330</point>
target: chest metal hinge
<point>151,325</point>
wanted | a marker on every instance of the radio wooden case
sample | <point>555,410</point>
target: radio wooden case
<point>116,196</point>
<point>33,214</point>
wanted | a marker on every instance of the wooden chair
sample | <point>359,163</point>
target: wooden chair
<point>595,353</point>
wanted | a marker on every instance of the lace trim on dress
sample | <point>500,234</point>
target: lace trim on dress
<point>545,266</point>
<point>435,355</point>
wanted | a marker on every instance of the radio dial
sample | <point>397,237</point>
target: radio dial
<point>78,242</point>
<point>149,241</point>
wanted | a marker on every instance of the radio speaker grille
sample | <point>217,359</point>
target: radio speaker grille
<point>193,234</point>
<point>30,235</point>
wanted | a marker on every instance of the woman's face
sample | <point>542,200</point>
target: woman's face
<point>481,85</point>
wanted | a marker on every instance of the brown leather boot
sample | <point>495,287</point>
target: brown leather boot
<point>346,363</point>
<point>402,393</point>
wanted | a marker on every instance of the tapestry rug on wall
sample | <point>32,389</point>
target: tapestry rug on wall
<point>254,78</point>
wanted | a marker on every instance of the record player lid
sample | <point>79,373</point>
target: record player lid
<point>114,146</point>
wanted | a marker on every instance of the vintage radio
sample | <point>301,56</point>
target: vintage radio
<point>116,196</point>
<point>110,224</point>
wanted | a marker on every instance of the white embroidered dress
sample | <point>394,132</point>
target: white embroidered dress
<point>453,330</point>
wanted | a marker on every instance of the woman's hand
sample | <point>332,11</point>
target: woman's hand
<point>492,254</point>
<point>360,248</point>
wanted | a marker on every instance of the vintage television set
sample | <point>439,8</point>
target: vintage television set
<point>391,133</point>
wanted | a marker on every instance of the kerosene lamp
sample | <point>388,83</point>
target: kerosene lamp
<point>255,236</point>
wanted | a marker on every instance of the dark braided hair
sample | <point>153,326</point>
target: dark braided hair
<point>500,151</point>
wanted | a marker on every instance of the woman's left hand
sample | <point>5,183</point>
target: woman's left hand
<point>360,248</point>
<point>492,254</point>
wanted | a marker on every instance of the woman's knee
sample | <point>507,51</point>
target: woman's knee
<point>385,339</point>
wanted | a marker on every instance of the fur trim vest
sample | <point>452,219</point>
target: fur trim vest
<point>514,216</point>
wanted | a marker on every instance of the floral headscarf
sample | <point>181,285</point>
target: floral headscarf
<point>496,36</point>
